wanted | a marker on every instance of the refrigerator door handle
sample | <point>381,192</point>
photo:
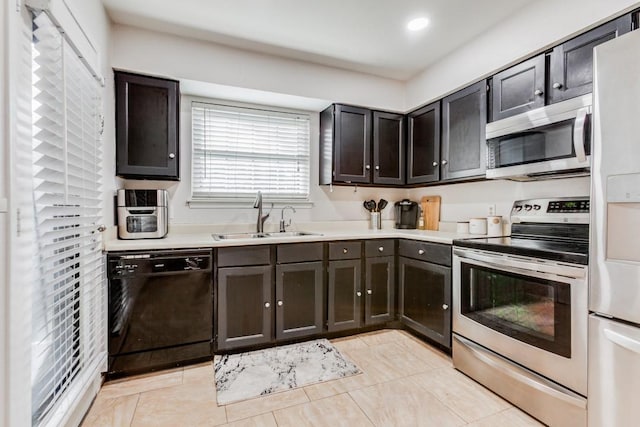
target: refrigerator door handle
<point>579,135</point>
<point>622,340</point>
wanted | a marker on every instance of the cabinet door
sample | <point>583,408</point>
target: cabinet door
<point>345,295</point>
<point>244,306</point>
<point>379,289</point>
<point>571,67</point>
<point>299,300</point>
<point>425,298</point>
<point>147,111</point>
<point>352,145</point>
<point>464,120</point>
<point>423,140</point>
<point>388,148</point>
<point>518,89</point>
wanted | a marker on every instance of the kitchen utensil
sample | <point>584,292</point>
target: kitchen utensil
<point>431,212</point>
<point>369,205</point>
<point>382,204</point>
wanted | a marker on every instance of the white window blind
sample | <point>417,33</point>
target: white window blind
<point>68,314</point>
<point>240,151</point>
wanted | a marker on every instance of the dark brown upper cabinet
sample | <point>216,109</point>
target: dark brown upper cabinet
<point>388,148</point>
<point>571,63</point>
<point>518,89</point>
<point>361,147</point>
<point>423,141</point>
<point>464,120</point>
<point>147,127</point>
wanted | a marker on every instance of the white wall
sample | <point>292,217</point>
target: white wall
<point>184,58</point>
<point>540,25</point>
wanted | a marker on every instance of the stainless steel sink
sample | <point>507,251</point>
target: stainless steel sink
<point>292,234</point>
<point>233,236</point>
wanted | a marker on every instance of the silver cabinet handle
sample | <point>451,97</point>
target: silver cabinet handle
<point>557,85</point>
<point>381,249</point>
<point>377,168</point>
<point>369,291</point>
<point>172,156</point>
<point>538,92</point>
<point>421,252</point>
<point>280,303</point>
<point>367,167</point>
<point>267,305</point>
<point>359,293</point>
<point>444,162</point>
<point>445,306</point>
<point>435,164</point>
<point>345,250</point>
<point>102,228</point>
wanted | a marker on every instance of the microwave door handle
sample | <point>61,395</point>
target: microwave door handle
<point>579,134</point>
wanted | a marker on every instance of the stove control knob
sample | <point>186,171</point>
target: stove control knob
<point>527,207</point>
<point>517,208</point>
<point>536,207</point>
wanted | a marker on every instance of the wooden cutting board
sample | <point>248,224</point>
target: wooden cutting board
<point>431,211</point>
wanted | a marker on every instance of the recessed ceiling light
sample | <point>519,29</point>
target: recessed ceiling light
<point>417,24</point>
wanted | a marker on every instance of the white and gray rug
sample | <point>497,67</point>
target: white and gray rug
<point>253,374</point>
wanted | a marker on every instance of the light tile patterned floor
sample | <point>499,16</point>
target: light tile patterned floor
<point>405,383</point>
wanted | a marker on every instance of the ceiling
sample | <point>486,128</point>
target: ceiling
<point>361,35</point>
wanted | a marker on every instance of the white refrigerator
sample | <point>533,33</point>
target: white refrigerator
<point>614,261</point>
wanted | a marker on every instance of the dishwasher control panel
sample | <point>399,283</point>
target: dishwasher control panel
<point>126,265</point>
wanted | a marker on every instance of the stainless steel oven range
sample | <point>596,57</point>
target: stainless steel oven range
<point>520,309</point>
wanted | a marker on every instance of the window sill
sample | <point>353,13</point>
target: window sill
<point>246,203</point>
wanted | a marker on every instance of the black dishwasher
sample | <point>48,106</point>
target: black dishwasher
<point>160,310</point>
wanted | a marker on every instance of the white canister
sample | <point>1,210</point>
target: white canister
<point>494,226</point>
<point>478,226</point>
<point>462,227</point>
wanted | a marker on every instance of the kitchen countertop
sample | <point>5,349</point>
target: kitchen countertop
<point>200,236</point>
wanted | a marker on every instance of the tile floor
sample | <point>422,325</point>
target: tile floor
<point>405,382</point>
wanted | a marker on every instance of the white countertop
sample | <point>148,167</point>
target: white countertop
<point>200,236</point>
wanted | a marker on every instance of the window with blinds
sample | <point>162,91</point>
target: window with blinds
<point>68,333</point>
<point>240,151</point>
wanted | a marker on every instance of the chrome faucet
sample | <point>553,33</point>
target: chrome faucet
<point>261,219</point>
<point>284,225</point>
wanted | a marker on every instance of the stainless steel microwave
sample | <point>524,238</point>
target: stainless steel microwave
<point>549,142</point>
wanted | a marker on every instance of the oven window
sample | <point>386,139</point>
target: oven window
<point>532,310</point>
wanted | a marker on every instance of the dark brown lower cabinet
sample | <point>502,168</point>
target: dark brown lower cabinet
<point>344,295</point>
<point>425,298</point>
<point>244,306</point>
<point>379,289</point>
<point>299,300</point>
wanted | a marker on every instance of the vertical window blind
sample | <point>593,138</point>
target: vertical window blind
<point>239,151</point>
<point>68,313</point>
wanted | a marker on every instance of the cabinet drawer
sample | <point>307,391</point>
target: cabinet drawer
<point>299,252</point>
<point>244,255</point>
<point>379,247</point>
<point>432,252</point>
<point>345,250</point>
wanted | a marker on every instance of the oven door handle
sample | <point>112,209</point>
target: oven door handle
<point>500,262</point>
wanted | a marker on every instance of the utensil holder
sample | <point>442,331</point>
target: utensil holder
<point>376,221</point>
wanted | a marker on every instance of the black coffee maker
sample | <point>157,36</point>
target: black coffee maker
<point>406,214</point>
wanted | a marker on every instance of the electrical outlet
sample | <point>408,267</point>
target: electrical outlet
<point>491,209</point>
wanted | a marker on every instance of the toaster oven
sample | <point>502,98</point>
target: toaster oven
<point>142,214</point>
